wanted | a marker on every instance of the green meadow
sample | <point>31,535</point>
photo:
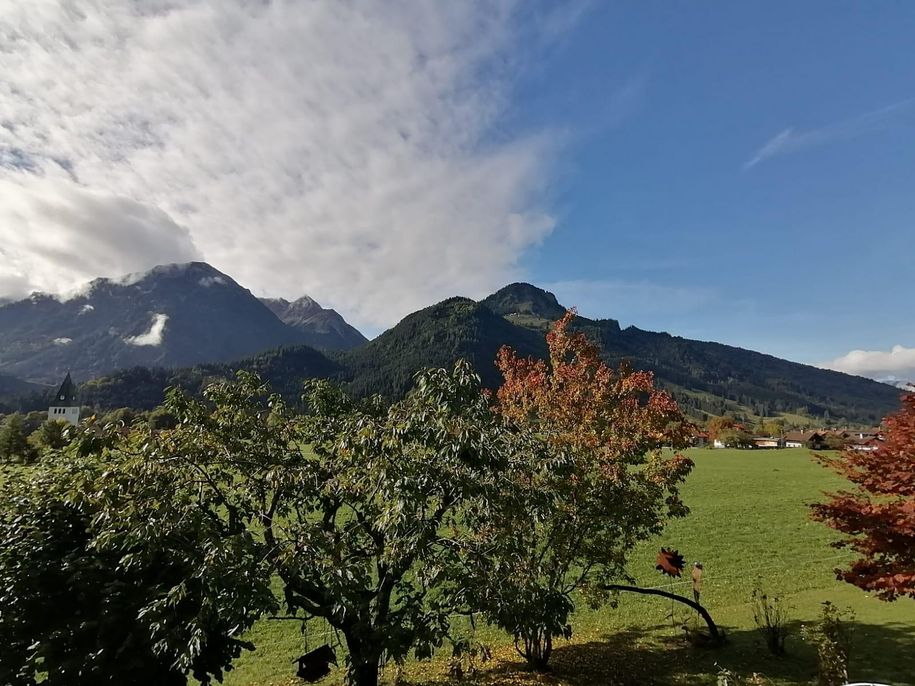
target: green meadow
<point>749,526</point>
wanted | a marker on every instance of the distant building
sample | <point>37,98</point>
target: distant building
<point>65,407</point>
<point>866,445</point>
<point>814,440</point>
<point>700,439</point>
<point>859,434</point>
<point>768,442</point>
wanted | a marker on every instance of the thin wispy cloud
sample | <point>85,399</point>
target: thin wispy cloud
<point>790,140</point>
<point>343,150</point>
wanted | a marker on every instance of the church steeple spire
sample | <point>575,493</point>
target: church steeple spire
<point>64,407</point>
<point>66,395</point>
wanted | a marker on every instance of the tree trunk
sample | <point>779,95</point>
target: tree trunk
<point>365,660</point>
<point>538,646</point>
<point>364,674</point>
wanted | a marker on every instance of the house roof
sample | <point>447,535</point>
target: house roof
<point>802,436</point>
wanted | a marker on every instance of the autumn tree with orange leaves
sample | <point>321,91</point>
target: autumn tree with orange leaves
<point>878,516</point>
<point>606,486</point>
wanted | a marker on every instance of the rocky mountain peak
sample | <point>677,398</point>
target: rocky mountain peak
<point>525,299</point>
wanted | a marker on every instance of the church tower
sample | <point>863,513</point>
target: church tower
<point>65,407</point>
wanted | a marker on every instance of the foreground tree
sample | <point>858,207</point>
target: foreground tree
<point>141,554</point>
<point>878,516</point>
<point>112,573</point>
<point>606,486</point>
<point>367,514</point>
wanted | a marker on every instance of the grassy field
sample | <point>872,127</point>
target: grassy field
<point>748,526</point>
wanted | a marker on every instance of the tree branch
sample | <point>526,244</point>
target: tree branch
<point>712,627</point>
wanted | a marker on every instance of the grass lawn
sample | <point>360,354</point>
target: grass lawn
<point>748,526</point>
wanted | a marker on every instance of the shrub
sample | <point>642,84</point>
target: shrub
<point>831,637</point>
<point>771,616</point>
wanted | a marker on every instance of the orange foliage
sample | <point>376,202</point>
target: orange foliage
<point>581,403</point>
<point>879,516</point>
<point>601,485</point>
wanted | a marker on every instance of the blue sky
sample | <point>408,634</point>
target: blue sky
<point>808,253</point>
<point>731,171</point>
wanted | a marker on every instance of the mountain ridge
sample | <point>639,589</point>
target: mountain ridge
<point>688,366</point>
<point>706,377</point>
<point>174,315</point>
<point>322,327</point>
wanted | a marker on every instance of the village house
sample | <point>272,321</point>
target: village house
<point>768,442</point>
<point>859,434</point>
<point>805,439</point>
<point>865,444</point>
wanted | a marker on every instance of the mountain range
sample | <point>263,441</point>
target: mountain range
<point>189,324</point>
<point>171,316</point>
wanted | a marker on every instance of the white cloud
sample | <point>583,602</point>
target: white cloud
<point>208,281</point>
<point>896,366</point>
<point>351,151</point>
<point>63,341</point>
<point>54,234</point>
<point>152,337</point>
<point>789,140</point>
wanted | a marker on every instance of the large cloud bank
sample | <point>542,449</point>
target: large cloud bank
<point>351,151</point>
<point>895,366</point>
